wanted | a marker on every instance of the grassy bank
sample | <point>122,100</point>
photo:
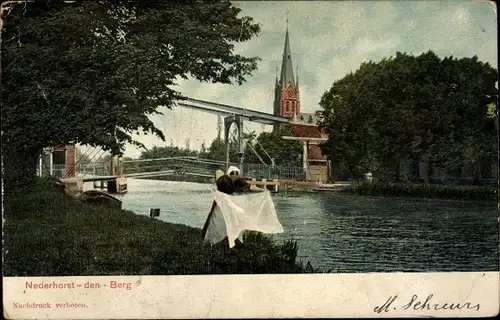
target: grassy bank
<point>49,234</point>
<point>422,190</point>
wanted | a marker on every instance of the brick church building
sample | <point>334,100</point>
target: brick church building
<point>287,104</point>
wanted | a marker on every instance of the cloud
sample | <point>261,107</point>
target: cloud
<point>328,40</point>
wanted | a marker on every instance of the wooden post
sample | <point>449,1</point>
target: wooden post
<point>112,166</point>
<point>241,153</point>
<point>305,156</point>
<point>154,212</point>
<point>112,186</point>
<point>51,163</point>
<point>227,125</point>
<point>40,165</point>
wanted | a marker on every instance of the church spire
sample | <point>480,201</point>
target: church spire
<point>286,65</point>
<point>297,80</point>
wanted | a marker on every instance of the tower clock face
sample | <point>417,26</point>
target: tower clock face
<point>290,94</point>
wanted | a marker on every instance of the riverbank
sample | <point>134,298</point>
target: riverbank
<point>422,190</point>
<point>47,233</point>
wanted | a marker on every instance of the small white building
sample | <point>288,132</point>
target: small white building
<point>58,162</point>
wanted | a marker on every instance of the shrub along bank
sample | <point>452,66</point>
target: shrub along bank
<point>47,233</point>
<point>423,190</point>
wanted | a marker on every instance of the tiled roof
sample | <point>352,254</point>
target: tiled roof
<point>309,131</point>
<point>306,131</point>
<point>314,153</point>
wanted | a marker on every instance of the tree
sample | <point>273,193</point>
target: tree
<point>310,119</point>
<point>106,66</point>
<point>82,157</point>
<point>166,152</point>
<point>349,139</point>
<point>203,149</point>
<point>217,150</point>
<point>284,152</point>
<point>410,108</point>
<point>130,167</point>
<point>219,127</point>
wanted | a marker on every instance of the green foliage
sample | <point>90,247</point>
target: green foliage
<point>203,149</point>
<point>284,152</point>
<point>217,150</point>
<point>410,108</point>
<point>92,72</point>
<point>491,111</point>
<point>83,158</point>
<point>422,190</point>
<point>49,234</point>
<point>165,152</point>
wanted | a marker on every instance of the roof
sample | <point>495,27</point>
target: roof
<point>306,131</point>
<point>310,131</point>
<point>314,153</point>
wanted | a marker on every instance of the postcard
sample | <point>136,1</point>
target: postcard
<point>244,159</point>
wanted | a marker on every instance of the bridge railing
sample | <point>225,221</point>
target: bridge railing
<point>193,165</point>
<point>183,164</point>
<point>93,168</point>
<point>149,165</point>
<point>59,171</point>
<point>262,171</point>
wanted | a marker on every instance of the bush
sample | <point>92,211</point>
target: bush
<point>423,190</point>
<point>48,233</point>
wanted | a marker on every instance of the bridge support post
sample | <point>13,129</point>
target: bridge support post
<point>228,121</point>
<point>119,167</point>
<point>110,171</point>
<point>305,162</point>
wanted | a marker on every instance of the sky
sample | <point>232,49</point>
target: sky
<point>328,40</point>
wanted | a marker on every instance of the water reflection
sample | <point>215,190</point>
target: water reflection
<point>349,233</point>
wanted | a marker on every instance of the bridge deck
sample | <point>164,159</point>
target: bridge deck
<point>90,178</point>
<point>98,178</point>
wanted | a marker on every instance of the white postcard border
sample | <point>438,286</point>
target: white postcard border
<point>470,294</point>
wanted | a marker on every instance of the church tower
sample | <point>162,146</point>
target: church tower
<point>286,91</point>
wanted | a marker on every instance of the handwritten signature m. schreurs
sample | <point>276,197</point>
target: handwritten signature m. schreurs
<point>418,304</point>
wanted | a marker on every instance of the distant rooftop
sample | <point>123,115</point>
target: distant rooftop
<point>310,131</point>
<point>305,131</point>
<point>314,153</point>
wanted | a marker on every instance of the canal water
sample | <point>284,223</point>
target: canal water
<point>349,233</point>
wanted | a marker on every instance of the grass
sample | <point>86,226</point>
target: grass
<point>47,233</point>
<point>423,190</point>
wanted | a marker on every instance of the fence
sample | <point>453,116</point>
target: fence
<point>59,171</point>
<point>208,166</point>
<point>262,171</point>
<point>250,170</point>
<point>95,169</point>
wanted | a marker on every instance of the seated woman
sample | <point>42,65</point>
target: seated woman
<point>229,184</point>
<point>240,184</point>
<point>225,184</point>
